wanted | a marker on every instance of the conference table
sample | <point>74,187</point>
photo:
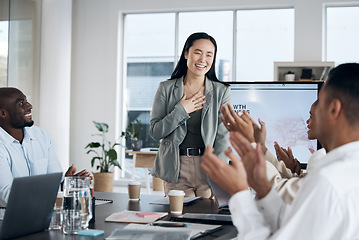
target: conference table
<point>121,203</point>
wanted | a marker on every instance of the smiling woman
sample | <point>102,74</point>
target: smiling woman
<point>185,117</point>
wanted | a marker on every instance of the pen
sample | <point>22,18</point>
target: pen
<point>205,233</point>
<point>174,224</point>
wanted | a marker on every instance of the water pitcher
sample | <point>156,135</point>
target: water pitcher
<point>77,204</point>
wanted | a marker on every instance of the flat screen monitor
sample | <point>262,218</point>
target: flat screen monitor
<point>284,107</point>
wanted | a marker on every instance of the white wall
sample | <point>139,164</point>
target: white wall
<point>93,78</point>
<point>55,75</point>
<point>96,58</point>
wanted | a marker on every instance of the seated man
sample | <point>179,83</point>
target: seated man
<point>326,205</point>
<point>25,150</point>
<point>292,167</point>
<point>286,180</point>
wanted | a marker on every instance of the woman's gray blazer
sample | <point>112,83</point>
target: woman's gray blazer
<point>169,124</point>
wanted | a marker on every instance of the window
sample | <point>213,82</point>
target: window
<point>149,48</point>
<point>342,34</point>
<point>263,37</point>
<point>20,47</point>
<point>3,52</point>
<point>150,58</point>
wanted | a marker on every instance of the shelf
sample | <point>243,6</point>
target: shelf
<point>280,68</point>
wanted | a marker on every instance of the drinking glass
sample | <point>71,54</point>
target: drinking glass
<point>56,219</point>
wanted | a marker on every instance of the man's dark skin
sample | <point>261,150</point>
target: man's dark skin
<point>15,114</point>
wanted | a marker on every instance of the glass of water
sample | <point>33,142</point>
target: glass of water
<point>56,219</point>
<point>77,205</point>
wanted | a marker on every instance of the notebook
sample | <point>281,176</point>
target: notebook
<point>30,205</point>
<point>204,218</point>
<point>133,217</point>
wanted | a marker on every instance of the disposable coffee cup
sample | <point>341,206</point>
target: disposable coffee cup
<point>59,198</point>
<point>134,189</point>
<point>176,201</point>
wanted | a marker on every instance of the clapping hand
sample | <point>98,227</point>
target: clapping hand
<point>72,172</point>
<point>232,178</point>
<point>254,163</point>
<point>287,157</point>
<point>260,133</point>
<point>243,123</point>
<point>237,122</point>
<point>250,171</point>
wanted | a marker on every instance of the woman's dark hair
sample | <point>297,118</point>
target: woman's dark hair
<point>181,68</point>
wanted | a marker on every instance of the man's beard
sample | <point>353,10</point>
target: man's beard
<point>23,124</point>
<point>29,124</point>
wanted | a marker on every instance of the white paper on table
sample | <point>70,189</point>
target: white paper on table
<point>131,217</point>
<point>139,234</point>
<point>192,228</point>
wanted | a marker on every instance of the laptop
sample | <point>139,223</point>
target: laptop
<point>222,198</point>
<point>30,205</point>
<point>220,195</point>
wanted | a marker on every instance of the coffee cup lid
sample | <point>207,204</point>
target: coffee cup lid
<point>134,183</point>
<point>176,193</point>
<point>60,194</point>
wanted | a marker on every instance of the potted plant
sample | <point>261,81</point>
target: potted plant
<point>133,133</point>
<point>289,76</point>
<point>106,156</point>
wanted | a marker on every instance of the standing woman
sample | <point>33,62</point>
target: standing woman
<point>185,117</point>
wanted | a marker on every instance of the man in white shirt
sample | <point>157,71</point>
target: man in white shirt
<point>25,150</point>
<point>326,206</point>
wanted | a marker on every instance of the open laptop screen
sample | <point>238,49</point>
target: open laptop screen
<point>284,107</point>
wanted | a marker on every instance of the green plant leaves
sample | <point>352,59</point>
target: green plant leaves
<point>102,127</point>
<point>93,160</point>
<point>133,130</point>
<point>105,153</point>
<point>116,163</point>
<point>116,144</point>
<point>93,145</point>
<point>112,154</point>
